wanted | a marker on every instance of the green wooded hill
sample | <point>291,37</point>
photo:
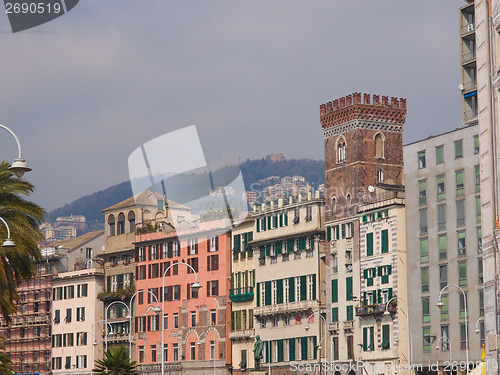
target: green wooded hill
<point>252,170</point>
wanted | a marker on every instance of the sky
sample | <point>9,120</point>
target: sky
<point>85,90</point>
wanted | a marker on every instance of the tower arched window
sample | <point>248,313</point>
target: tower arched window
<point>334,206</point>
<point>341,151</point>
<point>349,201</point>
<point>121,224</point>
<point>380,175</point>
<point>111,225</point>
<point>379,146</point>
<point>131,222</point>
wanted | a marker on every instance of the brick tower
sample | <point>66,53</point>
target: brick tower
<point>363,148</point>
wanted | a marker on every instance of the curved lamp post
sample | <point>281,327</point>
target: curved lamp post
<point>94,341</point>
<point>387,313</point>
<point>442,338</point>
<point>440,305</point>
<point>324,335</point>
<point>199,342</point>
<point>129,316</point>
<point>19,167</point>
<point>195,286</point>
<point>7,242</point>
<point>477,330</point>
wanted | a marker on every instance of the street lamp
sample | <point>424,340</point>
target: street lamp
<point>94,341</point>
<point>19,167</point>
<point>129,316</point>
<point>477,330</point>
<point>8,242</point>
<point>324,336</point>
<point>195,286</point>
<point>199,343</point>
<point>387,313</point>
<point>442,338</point>
<point>440,305</point>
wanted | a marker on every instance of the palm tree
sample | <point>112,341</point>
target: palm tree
<point>5,363</point>
<point>23,218</point>
<point>116,362</point>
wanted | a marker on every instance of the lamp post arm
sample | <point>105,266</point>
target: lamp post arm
<point>7,226</point>
<point>15,137</point>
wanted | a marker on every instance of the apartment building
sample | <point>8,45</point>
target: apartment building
<point>195,324</point>
<point>443,213</point>
<point>289,274</point>
<point>242,296</point>
<point>468,65</point>
<point>77,321</point>
<point>365,229</point>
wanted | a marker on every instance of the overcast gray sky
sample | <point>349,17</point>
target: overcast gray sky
<point>82,92</point>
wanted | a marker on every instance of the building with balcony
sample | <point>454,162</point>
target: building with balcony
<point>365,231</point>
<point>443,215</point>
<point>288,253</point>
<point>242,296</point>
<point>77,326</point>
<point>468,66</point>
<point>194,323</point>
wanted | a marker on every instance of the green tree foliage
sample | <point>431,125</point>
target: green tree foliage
<point>23,218</point>
<point>5,363</point>
<point>116,362</point>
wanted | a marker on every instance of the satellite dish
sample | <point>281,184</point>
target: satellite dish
<point>461,87</point>
<point>371,189</point>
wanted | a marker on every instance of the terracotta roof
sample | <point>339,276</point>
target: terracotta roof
<point>143,199</point>
<point>73,243</point>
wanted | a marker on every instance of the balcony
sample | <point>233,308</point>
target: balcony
<point>470,116</point>
<point>468,57</point>
<point>240,334</point>
<point>116,338</point>
<point>333,326</point>
<point>283,308</point>
<point>348,324</point>
<point>377,309</point>
<point>241,294</point>
<point>469,28</point>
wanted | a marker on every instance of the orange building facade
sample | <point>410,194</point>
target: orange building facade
<point>196,322</point>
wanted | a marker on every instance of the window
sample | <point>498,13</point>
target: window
<point>476,144</point>
<point>213,317</point>
<point>385,241</point>
<point>426,335</point>
<point>57,317</point>
<point>460,213</point>
<point>175,352</point>
<point>193,318</point>
<point>444,310</point>
<point>165,352</point>
<point>425,279</point>
<point>142,254</point>
<point>121,224</point>
<point>350,312</point>
<point>82,290</point>
<point>479,240</point>
<point>68,316</point>
<point>214,243</point>
<point>439,154</point>
<point>296,216</point>
<point>369,244</point>
<point>480,270</point>
<point>443,275</point>
<point>442,247</point>
<point>335,264</point>
<point>335,314</point>
<point>441,217</point>
<point>445,342</point>
<point>176,249</point>
<point>368,338</point>
<point>478,209</point>
<point>379,146</point>
<point>424,250</point>
<point>461,244</point>
<point>426,318</point>
<point>131,222</point>
<point>440,188</point>
<point>423,221</point>
<point>462,273</point>
<point>192,351</point>
<point>212,351</point>
<point>421,159</point>
<point>341,151</point>
<point>463,341</point>
<point>462,304</point>
<point>176,320</point>
<point>212,288</point>
<point>459,178</point>
<point>477,178</point>
<point>422,192</point>
<point>111,225</point>
<point>153,353</point>
<point>458,149</point>
<point>80,314</point>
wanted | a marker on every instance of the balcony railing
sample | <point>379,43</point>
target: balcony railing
<point>333,326</point>
<point>377,309</point>
<point>471,85</point>
<point>470,115</point>
<point>286,308</point>
<point>240,334</point>
<point>469,56</point>
<point>241,294</point>
<point>467,28</point>
<point>348,324</point>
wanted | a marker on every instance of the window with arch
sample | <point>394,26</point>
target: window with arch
<point>379,146</point>
<point>334,206</point>
<point>131,222</point>
<point>120,229</point>
<point>380,175</point>
<point>349,202</point>
<point>111,225</point>
<point>341,150</point>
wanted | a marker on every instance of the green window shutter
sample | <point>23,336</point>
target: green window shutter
<point>237,243</point>
<point>343,230</point>
<point>262,252</point>
<point>315,352</point>
<point>365,339</point>
<point>379,271</point>
<point>286,218</point>
<point>232,320</point>
<point>253,277</point>
<point>289,246</point>
<point>291,349</point>
<point>109,284</point>
<point>267,346</point>
<point>281,220</point>
<point>385,279</point>
<point>303,287</point>
<point>390,293</point>
<point>389,269</point>
<point>278,247</point>
<point>291,291</point>
<point>369,244</point>
<point>268,293</point>
<point>348,290</point>
<point>350,312</point>
<point>379,296</point>
<point>232,280</point>
<point>369,282</point>
<point>335,314</point>
<point>329,234</point>
<point>303,348</point>
<point>281,356</point>
<point>257,225</point>
<point>386,340</point>
<point>337,232</point>
<point>269,222</point>
<point>385,241</point>
<point>314,287</point>
<point>258,294</point>
<point>335,290</point>
<point>365,274</point>
<point>246,279</point>
<point>302,243</point>
<point>268,250</point>
<point>280,291</point>
<point>365,218</point>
